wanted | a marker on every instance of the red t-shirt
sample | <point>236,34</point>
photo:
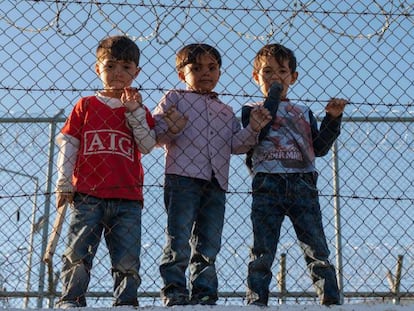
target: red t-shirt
<point>108,163</point>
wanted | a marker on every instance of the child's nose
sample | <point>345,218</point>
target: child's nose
<point>275,74</point>
<point>205,71</point>
<point>118,70</point>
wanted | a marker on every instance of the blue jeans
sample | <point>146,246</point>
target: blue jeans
<point>295,196</point>
<point>120,221</point>
<point>195,210</point>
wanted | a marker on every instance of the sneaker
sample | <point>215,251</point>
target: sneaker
<point>257,303</point>
<point>207,301</point>
<point>176,300</point>
<point>330,301</point>
<point>134,305</point>
<point>67,305</point>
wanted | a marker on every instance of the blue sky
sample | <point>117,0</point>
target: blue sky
<point>359,51</point>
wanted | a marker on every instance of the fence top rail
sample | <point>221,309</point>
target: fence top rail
<point>58,117</point>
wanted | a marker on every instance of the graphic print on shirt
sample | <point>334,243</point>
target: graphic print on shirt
<point>108,141</point>
<point>290,139</point>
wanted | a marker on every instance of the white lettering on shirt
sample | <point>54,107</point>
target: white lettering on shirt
<point>108,141</point>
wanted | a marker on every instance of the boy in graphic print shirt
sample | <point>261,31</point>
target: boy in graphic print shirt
<point>101,176</point>
<point>285,176</point>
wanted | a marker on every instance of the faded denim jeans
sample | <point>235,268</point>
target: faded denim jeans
<point>120,222</point>
<point>295,196</point>
<point>195,210</point>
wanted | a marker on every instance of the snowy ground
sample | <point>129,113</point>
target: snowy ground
<point>349,307</point>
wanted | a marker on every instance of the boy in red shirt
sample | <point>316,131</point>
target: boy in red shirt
<point>100,174</point>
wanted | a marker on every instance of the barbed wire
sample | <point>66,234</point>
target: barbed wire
<point>231,192</point>
<point>245,95</point>
<point>83,24</point>
<point>403,9</point>
<point>380,33</point>
<point>397,10</point>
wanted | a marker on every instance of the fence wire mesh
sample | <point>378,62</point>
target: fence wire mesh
<point>359,50</point>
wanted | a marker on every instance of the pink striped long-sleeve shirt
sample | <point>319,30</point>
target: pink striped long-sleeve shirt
<point>204,146</point>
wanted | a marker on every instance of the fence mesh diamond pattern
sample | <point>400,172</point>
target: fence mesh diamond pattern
<point>359,50</point>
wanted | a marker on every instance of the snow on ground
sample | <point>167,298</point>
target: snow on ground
<point>345,307</point>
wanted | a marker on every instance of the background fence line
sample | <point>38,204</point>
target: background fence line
<point>280,292</point>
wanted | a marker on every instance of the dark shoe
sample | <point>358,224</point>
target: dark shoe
<point>133,305</point>
<point>257,303</point>
<point>205,301</point>
<point>67,305</point>
<point>176,300</point>
<point>330,301</point>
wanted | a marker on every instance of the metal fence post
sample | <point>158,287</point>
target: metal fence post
<point>48,190</point>
<point>337,213</point>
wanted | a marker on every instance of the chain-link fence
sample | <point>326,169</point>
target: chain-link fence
<point>359,50</point>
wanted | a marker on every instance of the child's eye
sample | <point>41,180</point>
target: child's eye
<point>108,65</point>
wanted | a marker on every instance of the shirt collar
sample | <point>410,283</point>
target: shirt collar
<point>209,94</point>
<point>110,101</point>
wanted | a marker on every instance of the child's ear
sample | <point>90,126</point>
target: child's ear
<point>181,76</point>
<point>294,77</point>
<point>97,69</point>
<point>255,76</point>
<point>137,72</point>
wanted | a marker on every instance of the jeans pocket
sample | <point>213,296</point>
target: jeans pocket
<point>178,182</point>
<point>309,181</point>
<point>258,182</point>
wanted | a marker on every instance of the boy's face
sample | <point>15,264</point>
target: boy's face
<point>201,76</point>
<point>116,75</point>
<point>271,71</point>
